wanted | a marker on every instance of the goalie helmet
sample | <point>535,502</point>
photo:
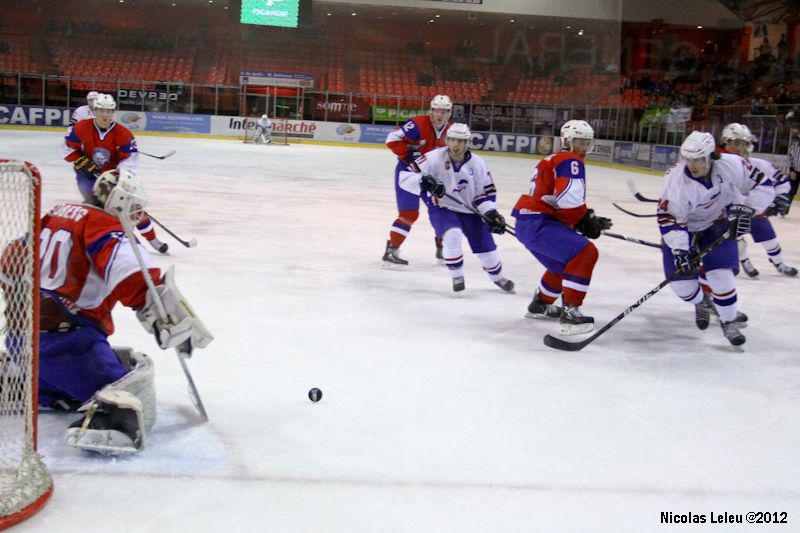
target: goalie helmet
<point>739,132</point>
<point>264,117</point>
<point>105,101</point>
<point>575,129</point>
<point>459,131</point>
<point>91,97</point>
<point>120,193</point>
<point>442,101</point>
<point>698,145</point>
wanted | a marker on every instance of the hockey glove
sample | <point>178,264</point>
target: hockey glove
<point>685,261</point>
<point>411,156</point>
<point>430,184</point>
<point>739,216</point>
<point>84,165</point>
<point>782,203</point>
<point>496,222</point>
<point>591,226</point>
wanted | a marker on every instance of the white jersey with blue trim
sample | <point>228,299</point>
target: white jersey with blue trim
<point>690,204</point>
<point>469,180</point>
<point>81,113</point>
<point>779,180</point>
<point>264,123</point>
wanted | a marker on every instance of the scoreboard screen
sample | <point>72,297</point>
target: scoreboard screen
<point>270,12</point>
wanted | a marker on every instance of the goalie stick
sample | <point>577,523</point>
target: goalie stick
<point>168,154</point>
<point>561,344</point>
<point>183,351</point>
<point>189,244</point>
<point>631,213</point>
<point>637,195</point>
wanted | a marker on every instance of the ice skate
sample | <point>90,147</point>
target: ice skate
<point>391,257</point>
<point>506,284</point>
<point>732,333</point>
<point>702,313</point>
<point>539,309</point>
<point>458,284</point>
<point>158,246</point>
<point>573,322</point>
<point>748,268</point>
<point>785,269</point>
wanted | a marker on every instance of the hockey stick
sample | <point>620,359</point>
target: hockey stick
<point>508,228</point>
<point>168,154</point>
<point>631,213</point>
<point>184,350</point>
<point>560,344</point>
<point>631,239</point>
<point>188,244</point>
<point>637,195</point>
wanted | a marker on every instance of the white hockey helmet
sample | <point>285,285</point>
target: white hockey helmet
<point>459,131</point>
<point>264,116</point>
<point>120,193</point>
<point>575,129</point>
<point>698,145</point>
<point>91,97</point>
<point>105,101</point>
<point>442,101</point>
<point>739,132</point>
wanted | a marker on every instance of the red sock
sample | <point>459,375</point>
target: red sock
<point>401,226</point>
<point>578,275</point>
<point>550,287</point>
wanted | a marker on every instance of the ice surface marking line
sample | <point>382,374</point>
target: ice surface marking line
<point>448,485</point>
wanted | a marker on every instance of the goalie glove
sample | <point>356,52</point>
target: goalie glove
<point>739,216</point>
<point>182,323</point>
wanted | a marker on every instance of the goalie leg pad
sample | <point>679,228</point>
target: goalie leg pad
<point>139,381</point>
<point>112,424</point>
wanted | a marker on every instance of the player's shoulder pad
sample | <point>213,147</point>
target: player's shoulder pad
<point>567,164</point>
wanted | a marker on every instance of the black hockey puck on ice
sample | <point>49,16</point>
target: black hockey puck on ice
<point>315,395</point>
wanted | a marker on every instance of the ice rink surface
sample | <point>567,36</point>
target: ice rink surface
<point>439,413</point>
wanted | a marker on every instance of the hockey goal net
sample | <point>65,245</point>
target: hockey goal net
<point>280,130</point>
<point>25,483</point>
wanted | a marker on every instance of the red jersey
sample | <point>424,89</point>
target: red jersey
<point>114,147</point>
<point>416,135</point>
<point>88,265</point>
<point>558,189</point>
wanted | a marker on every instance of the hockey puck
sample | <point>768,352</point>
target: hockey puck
<point>315,395</point>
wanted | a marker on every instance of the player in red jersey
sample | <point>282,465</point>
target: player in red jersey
<point>88,265</point>
<point>553,223</point>
<point>417,136</point>
<point>98,144</point>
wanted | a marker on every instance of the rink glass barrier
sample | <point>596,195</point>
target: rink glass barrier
<point>774,126</point>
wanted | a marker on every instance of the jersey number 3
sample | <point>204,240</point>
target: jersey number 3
<point>54,249</point>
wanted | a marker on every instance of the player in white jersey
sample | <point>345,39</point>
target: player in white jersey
<point>707,195</point>
<point>85,111</point>
<point>737,139</point>
<point>454,170</point>
<point>263,130</point>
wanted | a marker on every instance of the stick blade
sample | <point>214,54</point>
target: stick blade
<point>566,346</point>
<point>632,187</point>
<point>192,243</point>
<point>168,154</point>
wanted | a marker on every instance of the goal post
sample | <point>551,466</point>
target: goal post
<point>280,130</point>
<point>25,484</point>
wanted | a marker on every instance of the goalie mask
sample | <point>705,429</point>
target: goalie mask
<point>120,193</point>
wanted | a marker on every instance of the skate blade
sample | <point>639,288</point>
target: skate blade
<point>576,329</point>
<point>540,316</point>
<point>386,265</point>
<point>441,262</point>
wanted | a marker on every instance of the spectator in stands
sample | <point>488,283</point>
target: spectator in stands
<point>782,48</point>
<point>4,48</point>
<point>765,50</point>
